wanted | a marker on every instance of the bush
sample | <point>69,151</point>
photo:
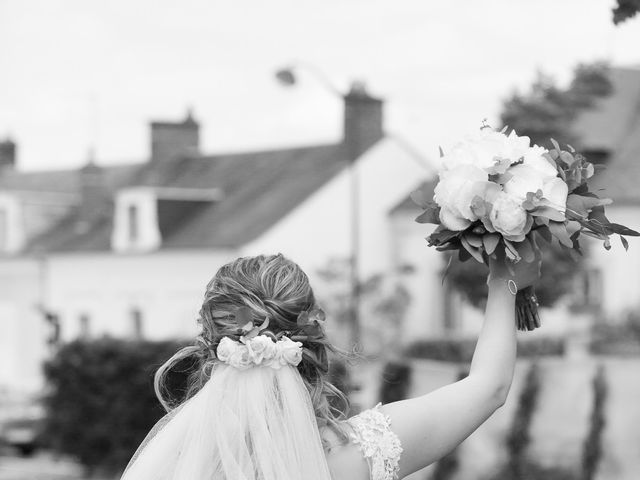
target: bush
<point>461,350</point>
<point>100,402</point>
<point>622,338</point>
<point>396,380</point>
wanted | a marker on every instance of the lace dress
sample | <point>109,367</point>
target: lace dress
<point>379,445</point>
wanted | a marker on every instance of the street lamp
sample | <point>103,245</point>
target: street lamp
<point>287,77</point>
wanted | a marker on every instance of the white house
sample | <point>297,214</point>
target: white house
<point>128,250</point>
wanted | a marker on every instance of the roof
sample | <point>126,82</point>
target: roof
<point>613,126</point>
<point>258,189</point>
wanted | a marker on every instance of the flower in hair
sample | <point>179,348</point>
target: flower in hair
<point>261,350</point>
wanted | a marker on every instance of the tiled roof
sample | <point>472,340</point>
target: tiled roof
<point>258,189</point>
<point>613,126</point>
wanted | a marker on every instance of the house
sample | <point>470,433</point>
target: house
<point>128,250</point>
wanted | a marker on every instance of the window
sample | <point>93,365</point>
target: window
<point>137,323</point>
<point>85,326</point>
<point>132,220</point>
<point>3,229</point>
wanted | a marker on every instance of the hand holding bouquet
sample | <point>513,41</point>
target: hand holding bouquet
<point>498,194</point>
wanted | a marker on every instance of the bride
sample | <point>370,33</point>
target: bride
<point>258,407</point>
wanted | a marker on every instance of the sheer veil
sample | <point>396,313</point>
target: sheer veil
<point>254,424</point>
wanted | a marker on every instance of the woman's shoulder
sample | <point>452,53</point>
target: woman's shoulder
<point>372,450</point>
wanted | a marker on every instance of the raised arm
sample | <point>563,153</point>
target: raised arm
<point>431,425</point>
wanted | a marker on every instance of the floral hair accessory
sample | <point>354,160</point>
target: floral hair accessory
<point>310,325</point>
<point>260,350</point>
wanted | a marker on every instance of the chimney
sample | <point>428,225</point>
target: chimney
<point>362,120</point>
<point>93,191</point>
<point>171,140</point>
<point>7,154</point>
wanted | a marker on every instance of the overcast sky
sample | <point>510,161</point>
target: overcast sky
<point>82,73</point>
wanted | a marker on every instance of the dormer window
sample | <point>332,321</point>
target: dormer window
<point>145,215</point>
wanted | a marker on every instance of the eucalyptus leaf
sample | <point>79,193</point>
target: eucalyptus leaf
<point>559,230</point>
<point>625,242</point>
<point>490,242</point>
<point>475,253</point>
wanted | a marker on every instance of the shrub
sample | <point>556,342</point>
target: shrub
<point>396,380</point>
<point>100,402</point>
<point>461,350</point>
<point>620,338</point>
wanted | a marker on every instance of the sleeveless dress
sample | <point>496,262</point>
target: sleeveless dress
<point>379,445</point>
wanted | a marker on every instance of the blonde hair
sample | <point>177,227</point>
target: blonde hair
<point>273,287</point>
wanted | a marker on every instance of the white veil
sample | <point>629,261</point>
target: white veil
<point>253,424</point>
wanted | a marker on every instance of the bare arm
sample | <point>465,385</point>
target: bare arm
<point>432,425</point>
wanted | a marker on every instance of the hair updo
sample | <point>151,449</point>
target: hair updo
<point>272,287</point>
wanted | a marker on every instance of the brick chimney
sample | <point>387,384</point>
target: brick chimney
<point>362,120</point>
<point>93,191</point>
<point>171,140</point>
<point>7,154</point>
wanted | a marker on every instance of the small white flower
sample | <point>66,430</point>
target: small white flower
<point>289,352</point>
<point>261,348</point>
<point>240,358</point>
<point>509,218</point>
<point>225,348</point>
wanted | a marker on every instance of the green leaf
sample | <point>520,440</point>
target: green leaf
<point>474,240</point>
<point>475,252</point>
<point>567,158</point>
<point>622,230</point>
<point>559,230</point>
<point>490,242</point>
<point>545,233</point>
<point>430,215</point>
<point>423,197</point>
<point>555,144</point>
<point>525,250</point>
<point>441,235</point>
<point>548,212</point>
<point>583,204</point>
<point>625,242</point>
<point>510,251</point>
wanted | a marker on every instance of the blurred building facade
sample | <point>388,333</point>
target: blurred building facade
<point>128,250</point>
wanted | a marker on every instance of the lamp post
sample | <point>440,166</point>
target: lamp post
<point>287,77</point>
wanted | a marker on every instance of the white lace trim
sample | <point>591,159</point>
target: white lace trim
<point>379,445</point>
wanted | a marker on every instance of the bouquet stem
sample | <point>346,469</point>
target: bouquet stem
<point>527,317</point>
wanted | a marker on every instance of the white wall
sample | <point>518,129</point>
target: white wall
<point>22,329</point>
<point>320,228</point>
<point>167,287</point>
<point>620,269</point>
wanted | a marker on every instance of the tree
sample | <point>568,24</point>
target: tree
<point>546,111</point>
<point>624,10</point>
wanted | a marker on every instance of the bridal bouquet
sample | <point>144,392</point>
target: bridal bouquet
<point>497,192</point>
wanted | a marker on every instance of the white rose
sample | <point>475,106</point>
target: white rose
<point>261,349</point>
<point>225,348</point>
<point>528,178</point>
<point>454,193</point>
<point>492,151</point>
<point>509,218</point>
<point>534,158</point>
<point>241,358</point>
<point>289,352</point>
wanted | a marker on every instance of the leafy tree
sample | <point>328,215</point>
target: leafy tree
<point>547,111</point>
<point>624,10</point>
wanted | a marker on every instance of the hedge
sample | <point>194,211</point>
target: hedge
<point>100,402</point>
<point>461,350</point>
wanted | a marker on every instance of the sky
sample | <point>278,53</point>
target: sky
<point>82,75</point>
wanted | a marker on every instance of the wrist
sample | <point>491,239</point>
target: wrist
<point>503,284</point>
